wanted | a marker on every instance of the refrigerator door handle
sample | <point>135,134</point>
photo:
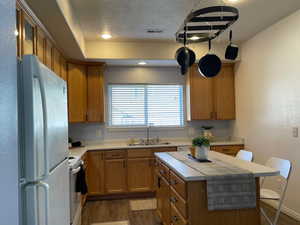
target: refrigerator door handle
<point>45,186</point>
<point>45,122</point>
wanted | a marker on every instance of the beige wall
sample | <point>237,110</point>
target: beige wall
<point>268,97</point>
<point>97,133</point>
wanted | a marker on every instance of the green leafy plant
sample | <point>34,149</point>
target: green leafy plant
<point>201,141</point>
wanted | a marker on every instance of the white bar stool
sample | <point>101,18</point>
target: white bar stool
<point>284,166</point>
<point>244,155</point>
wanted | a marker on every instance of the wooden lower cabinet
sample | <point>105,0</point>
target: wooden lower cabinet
<point>115,175</point>
<point>95,176</point>
<point>231,150</point>
<point>122,171</point>
<point>140,174</point>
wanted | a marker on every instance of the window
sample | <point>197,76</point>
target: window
<point>143,105</point>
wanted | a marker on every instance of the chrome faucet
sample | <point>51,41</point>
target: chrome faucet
<point>148,133</point>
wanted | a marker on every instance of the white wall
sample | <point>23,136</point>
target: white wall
<point>268,97</point>
<point>93,132</point>
<point>8,116</point>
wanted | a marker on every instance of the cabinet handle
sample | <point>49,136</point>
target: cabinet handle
<point>174,218</point>
<point>173,200</point>
<point>124,164</point>
<point>216,115</point>
<point>158,182</point>
<point>162,171</point>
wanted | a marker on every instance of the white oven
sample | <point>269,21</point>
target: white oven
<point>75,197</point>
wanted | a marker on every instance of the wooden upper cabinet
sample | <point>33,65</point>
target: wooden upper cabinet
<point>48,53</point>
<point>95,94</point>
<point>40,45</point>
<point>115,176</point>
<point>201,98</point>
<point>63,68</point>
<point>140,175</point>
<point>28,35</point>
<point>224,94</point>
<point>56,61</point>
<point>211,98</point>
<point>77,92</point>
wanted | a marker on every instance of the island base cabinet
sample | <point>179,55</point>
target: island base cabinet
<point>163,200</point>
<point>178,207</point>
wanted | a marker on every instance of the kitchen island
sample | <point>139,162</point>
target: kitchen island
<point>182,191</point>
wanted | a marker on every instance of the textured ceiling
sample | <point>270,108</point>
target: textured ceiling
<point>130,19</point>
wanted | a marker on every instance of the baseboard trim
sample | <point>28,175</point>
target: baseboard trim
<point>287,211</point>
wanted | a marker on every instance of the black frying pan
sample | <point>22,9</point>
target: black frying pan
<point>210,64</point>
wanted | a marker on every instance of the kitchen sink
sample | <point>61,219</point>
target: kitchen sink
<point>149,144</point>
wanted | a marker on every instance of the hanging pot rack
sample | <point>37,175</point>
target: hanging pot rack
<point>205,25</point>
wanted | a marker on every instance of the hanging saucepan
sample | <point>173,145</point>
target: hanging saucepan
<point>210,64</point>
<point>232,50</point>
<point>185,56</point>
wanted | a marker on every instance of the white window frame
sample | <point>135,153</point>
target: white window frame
<point>119,127</point>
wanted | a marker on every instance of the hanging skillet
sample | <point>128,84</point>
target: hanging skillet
<point>210,64</point>
<point>231,50</point>
<point>185,57</point>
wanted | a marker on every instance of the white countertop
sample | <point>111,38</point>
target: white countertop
<point>191,170</point>
<point>79,151</point>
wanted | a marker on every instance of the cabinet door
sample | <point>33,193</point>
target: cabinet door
<point>77,93</point>
<point>95,174</point>
<point>201,98</point>
<point>224,93</point>
<point>28,32</point>
<point>40,45</point>
<point>56,61</point>
<point>48,53</point>
<point>95,94</point>
<point>140,175</point>
<point>115,176</point>
<point>63,67</point>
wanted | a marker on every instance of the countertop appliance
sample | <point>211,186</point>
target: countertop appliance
<point>75,164</point>
<point>43,121</point>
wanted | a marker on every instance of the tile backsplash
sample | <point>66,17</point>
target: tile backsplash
<point>94,133</point>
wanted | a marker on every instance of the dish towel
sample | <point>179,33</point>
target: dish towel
<point>234,191</point>
<point>81,185</point>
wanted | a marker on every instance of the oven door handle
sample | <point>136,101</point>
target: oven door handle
<point>74,171</point>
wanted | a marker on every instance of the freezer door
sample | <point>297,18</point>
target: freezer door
<point>43,106</point>
<point>38,201</point>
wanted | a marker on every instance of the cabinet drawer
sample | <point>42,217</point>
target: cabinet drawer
<point>115,154</point>
<point>175,217</point>
<point>164,171</point>
<point>140,153</point>
<point>178,202</point>
<point>178,184</point>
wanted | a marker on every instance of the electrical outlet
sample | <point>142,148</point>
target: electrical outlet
<point>295,132</point>
<point>98,133</point>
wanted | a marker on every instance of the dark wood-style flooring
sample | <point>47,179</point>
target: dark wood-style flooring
<point>119,210</point>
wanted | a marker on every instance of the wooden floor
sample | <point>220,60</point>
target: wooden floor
<point>116,210</point>
<point>119,210</point>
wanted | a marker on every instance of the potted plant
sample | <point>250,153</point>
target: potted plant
<point>201,145</point>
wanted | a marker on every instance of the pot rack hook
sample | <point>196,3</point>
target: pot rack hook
<point>185,35</point>
<point>230,36</point>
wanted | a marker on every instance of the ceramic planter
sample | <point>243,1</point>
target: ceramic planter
<point>201,152</point>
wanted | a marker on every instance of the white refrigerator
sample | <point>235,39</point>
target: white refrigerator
<point>44,172</point>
